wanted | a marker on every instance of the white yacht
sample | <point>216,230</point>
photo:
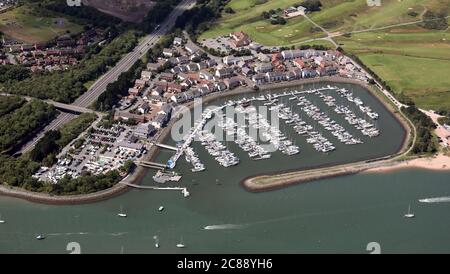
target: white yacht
<point>181,244</point>
<point>409,214</point>
<point>121,214</point>
<point>1,220</point>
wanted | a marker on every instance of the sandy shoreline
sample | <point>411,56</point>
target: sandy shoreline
<point>139,172</point>
<point>437,163</point>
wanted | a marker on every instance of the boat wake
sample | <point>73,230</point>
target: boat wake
<point>223,227</point>
<point>117,234</point>
<point>68,234</point>
<point>435,200</point>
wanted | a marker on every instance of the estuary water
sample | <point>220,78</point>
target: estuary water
<point>341,214</point>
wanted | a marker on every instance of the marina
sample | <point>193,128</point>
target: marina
<point>239,221</point>
<point>296,112</point>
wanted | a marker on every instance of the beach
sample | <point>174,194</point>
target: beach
<point>439,162</point>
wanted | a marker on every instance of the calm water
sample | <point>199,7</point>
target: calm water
<point>336,215</point>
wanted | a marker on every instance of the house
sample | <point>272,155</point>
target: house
<point>162,117</point>
<point>189,95</point>
<point>291,75</point>
<point>240,39</point>
<point>166,109</point>
<point>310,53</point>
<point>183,60</point>
<point>177,41</point>
<point>224,73</point>
<point>247,71</point>
<point>206,75</point>
<point>167,52</point>
<point>221,86</point>
<point>309,73</point>
<point>319,60</point>
<point>167,76</point>
<point>196,56</point>
<point>179,98</point>
<point>299,63</point>
<point>160,121</point>
<point>232,83</point>
<point>202,65</point>
<point>329,71</point>
<point>263,67</point>
<point>289,11</point>
<point>176,70</point>
<point>230,60</point>
<point>186,84</point>
<point>204,90</point>
<point>175,88</point>
<point>291,54</point>
<point>241,64</point>
<point>144,130</point>
<point>211,63</point>
<point>263,58</point>
<point>182,76</point>
<point>259,78</point>
<point>144,108</point>
<point>192,67</point>
<point>134,91</point>
<point>191,48</point>
<point>276,56</point>
<point>158,90</point>
<point>210,86</point>
<point>146,75</point>
<point>294,12</point>
<point>139,83</point>
<point>275,76</point>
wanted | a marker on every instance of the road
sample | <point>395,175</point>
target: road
<point>58,105</point>
<point>63,118</point>
<point>328,38</point>
<point>111,76</point>
<point>125,64</point>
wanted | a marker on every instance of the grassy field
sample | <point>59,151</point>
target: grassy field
<point>248,18</point>
<point>21,24</point>
<point>423,79</point>
<point>411,59</point>
<point>335,16</point>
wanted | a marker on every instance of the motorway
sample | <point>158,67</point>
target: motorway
<point>112,75</point>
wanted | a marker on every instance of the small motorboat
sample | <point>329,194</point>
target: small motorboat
<point>40,237</point>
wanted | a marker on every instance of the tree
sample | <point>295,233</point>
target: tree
<point>229,10</point>
<point>47,145</point>
<point>127,167</point>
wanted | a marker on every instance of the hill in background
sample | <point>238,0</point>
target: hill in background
<point>127,10</point>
